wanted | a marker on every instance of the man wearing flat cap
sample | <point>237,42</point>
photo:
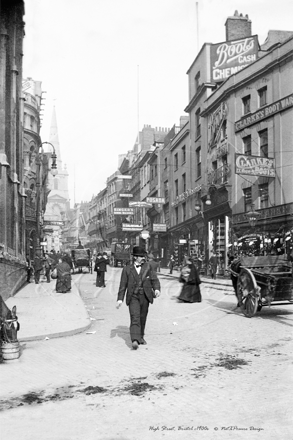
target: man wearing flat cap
<point>142,286</point>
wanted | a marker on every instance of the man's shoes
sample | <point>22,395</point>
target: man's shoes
<point>134,345</point>
<point>143,342</point>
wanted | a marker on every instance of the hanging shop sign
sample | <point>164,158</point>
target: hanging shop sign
<point>155,200</point>
<point>232,56</point>
<point>138,204</point>
<point>53,223</point>
<point>131,227</point>
<point>254,165</point>
<point>123,211</point>
<point>265,112</point>
<point>159,227</point>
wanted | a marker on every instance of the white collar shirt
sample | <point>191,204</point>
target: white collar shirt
<point>138,268</point>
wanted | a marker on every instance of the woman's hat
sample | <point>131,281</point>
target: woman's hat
<point>138,251</point>
<point>151,256</point>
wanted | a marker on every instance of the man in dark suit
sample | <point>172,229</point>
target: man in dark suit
<point>142,286</point>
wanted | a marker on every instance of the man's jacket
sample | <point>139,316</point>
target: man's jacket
<point>132,282</point>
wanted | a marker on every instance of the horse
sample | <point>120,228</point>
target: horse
<point>9,324</point>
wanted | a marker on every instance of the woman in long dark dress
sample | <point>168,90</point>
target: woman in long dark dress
<point>63,283</point>
<point>101,268</point>
<point>190,278</point>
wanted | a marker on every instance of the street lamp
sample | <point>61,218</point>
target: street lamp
<point>252,216</point>
<point>54,172</point>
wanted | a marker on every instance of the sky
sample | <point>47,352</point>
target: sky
<point>111,66</point>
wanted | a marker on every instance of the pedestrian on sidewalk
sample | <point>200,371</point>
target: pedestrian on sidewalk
<point>29,270</point>
<point>190,278</point>
<point>142,286</point>
<point>101,268</point>
<point>213,264</point>
<point>38,266</point>
<point>63,274</point>
<point>48,263</point>
<point>171,263</point>
<point>154,265</point>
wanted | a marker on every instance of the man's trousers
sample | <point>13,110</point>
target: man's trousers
<point>138,309</point>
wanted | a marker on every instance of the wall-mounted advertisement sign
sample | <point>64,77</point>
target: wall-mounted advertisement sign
<point>159,227</point>
<point>156,200</point>
<point>231,56</point>
<point>265,112</point>
<point>255,165</point>
<point>126,195</point>
<point>131,227</point>
<point>123,211</point>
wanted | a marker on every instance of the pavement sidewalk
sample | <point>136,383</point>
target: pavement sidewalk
<point>44,313</point>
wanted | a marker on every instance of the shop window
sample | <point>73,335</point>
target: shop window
<point>198,161</point>
<point>263,142</point>
<point>183,154</point>
<point>176,161</point>
<point>262,94</point>
<point>263,193</point>
<point>246,104</point>
<point>247,145</point>
<point>247,195</point>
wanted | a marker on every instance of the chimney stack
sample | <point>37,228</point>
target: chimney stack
<point>237,27</point>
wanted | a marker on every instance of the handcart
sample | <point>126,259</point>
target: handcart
<point>262,281</point>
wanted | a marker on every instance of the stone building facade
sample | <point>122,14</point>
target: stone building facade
<point>12,195</point>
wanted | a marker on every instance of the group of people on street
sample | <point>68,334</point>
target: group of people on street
<point>53,265</point>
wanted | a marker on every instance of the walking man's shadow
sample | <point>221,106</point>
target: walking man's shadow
<point>122,332</point>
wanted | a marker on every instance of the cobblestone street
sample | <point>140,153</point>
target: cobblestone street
<point>206,372</point>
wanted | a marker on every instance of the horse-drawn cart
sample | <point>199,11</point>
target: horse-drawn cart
<point>262,281</point>
<point>81,258</point>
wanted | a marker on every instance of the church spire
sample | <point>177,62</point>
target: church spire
<point>53,137</point>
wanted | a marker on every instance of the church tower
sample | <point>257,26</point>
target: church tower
<point>58,194</point>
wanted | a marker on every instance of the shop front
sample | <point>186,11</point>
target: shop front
<point>217,217</point>
<point>272,234</point>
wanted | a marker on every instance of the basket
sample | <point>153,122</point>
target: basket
<point>10,350</point>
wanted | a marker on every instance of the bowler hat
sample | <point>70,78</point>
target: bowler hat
<point>138,251</point>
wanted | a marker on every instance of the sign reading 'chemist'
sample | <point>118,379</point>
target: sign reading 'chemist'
<point>231,56</point>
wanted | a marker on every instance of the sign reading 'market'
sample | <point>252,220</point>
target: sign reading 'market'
<point>231,56</point>
<point>254,165</point>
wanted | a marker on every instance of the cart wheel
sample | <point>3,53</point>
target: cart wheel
<point>247,293</point>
